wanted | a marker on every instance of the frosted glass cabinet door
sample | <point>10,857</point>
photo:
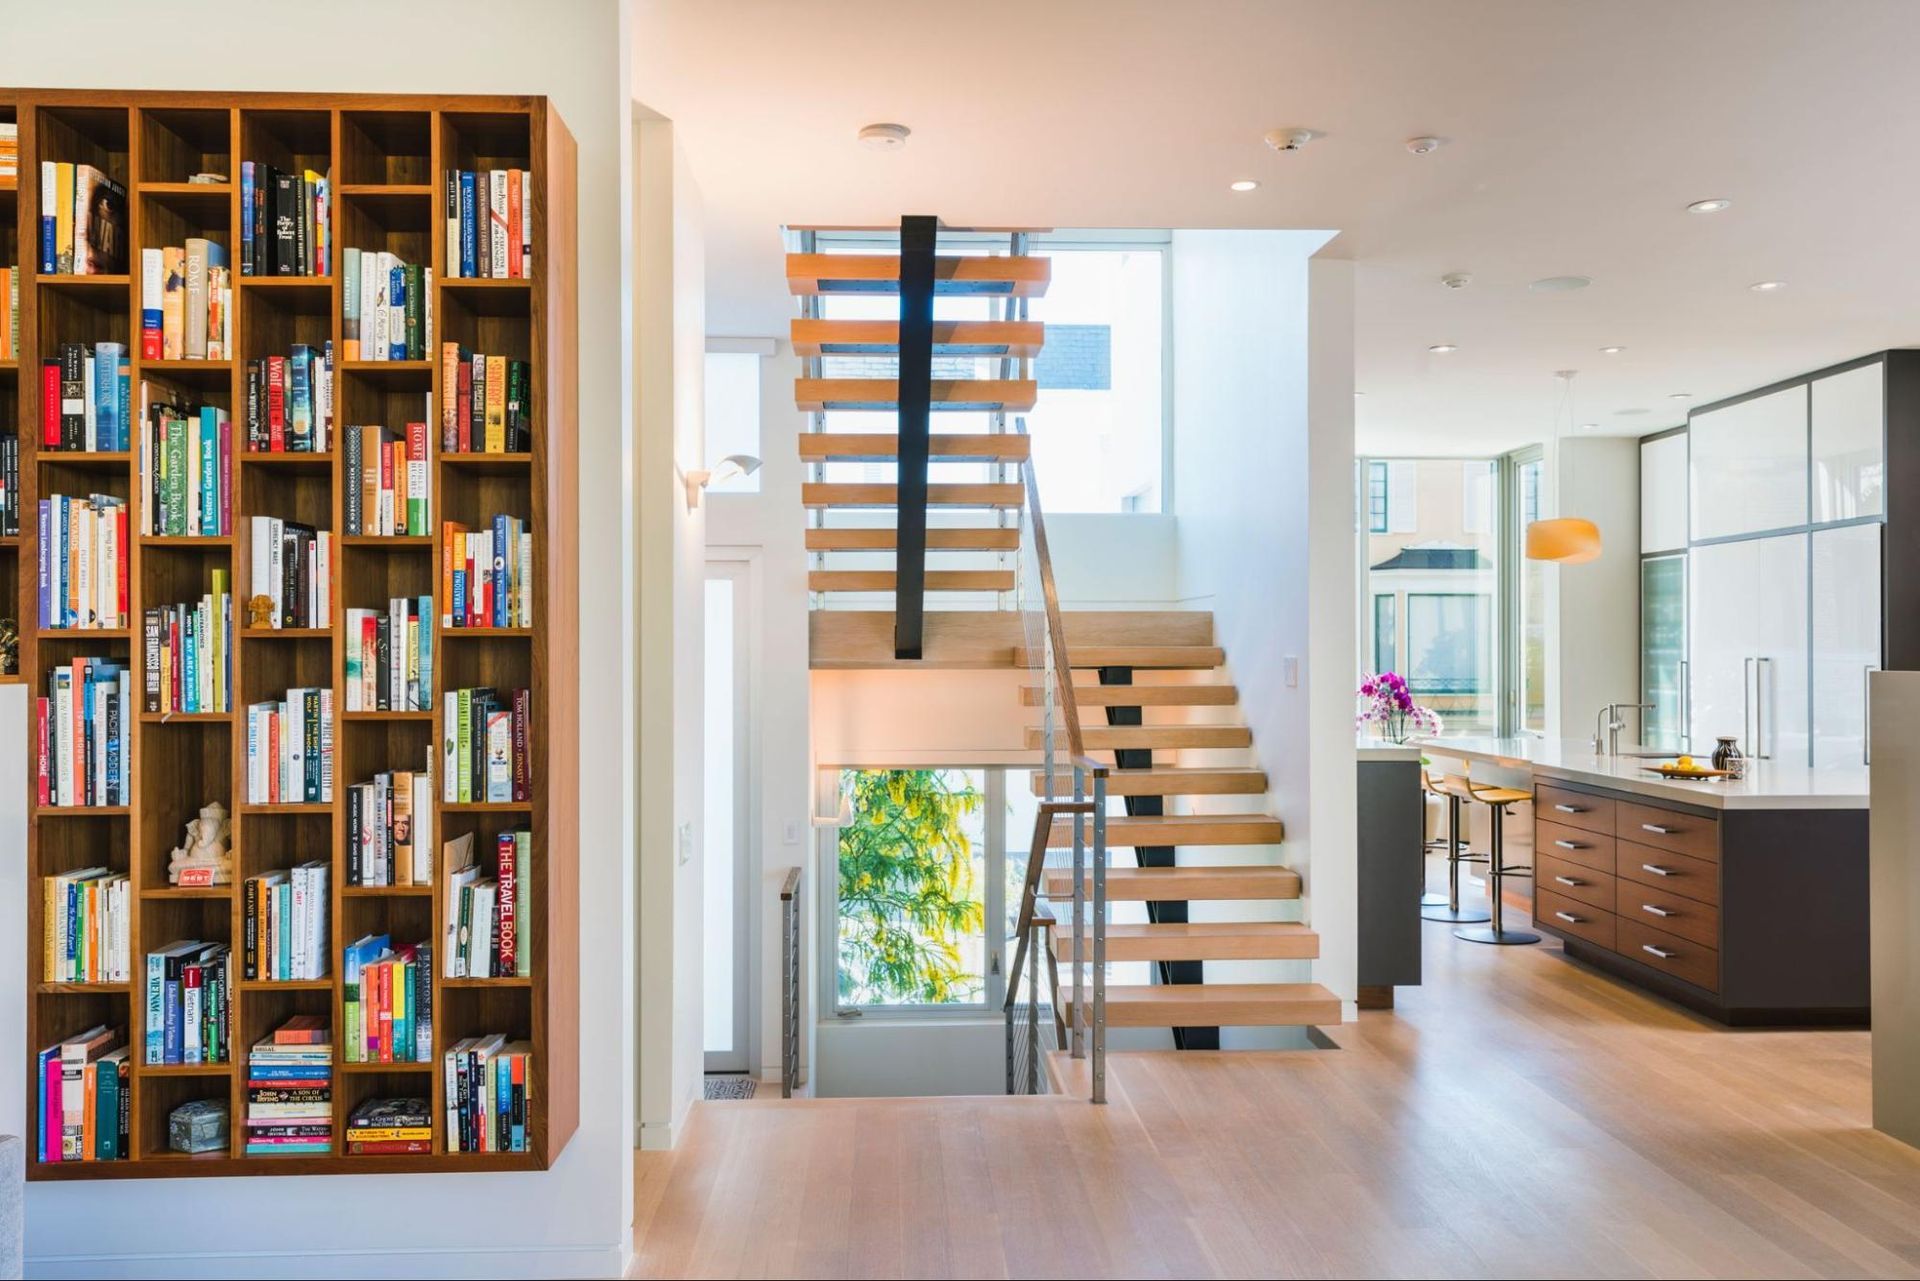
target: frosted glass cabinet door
<point>1663,651</point>
<point>1663,494</point>
<point>1779,588</point>
<point>1749,466</point>
<point>1747,645</point>
<point>1846,639</point>
<point>1849,410</point>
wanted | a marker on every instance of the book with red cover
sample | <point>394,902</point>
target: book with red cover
<point>303,1029</point>
<point>277,404</point>
<point>508,904</point>
<point>50,404</point>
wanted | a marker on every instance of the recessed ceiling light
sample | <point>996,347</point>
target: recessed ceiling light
<point>1611,351</point>
<point>1679,395</point>
<point>885,137</point>
<point>1457,279</point>
<point>1425,144</point>
<point>1588,426</point>
<point>1628,413</point>
<point>1242,184</point>
<point>1358,394</point>
<point>1767,286</point>
<point>1714,205</point>
<point>1560,284</point>
<point>1291,139</point>
<point>1442,348</point>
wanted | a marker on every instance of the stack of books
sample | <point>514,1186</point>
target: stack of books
<point>189,1000</point>
<point>186,302</point>
<point>186,470</point>
<point>388,995</point>
<point>285,223</point>
<point>188,653</point>
<point>390,1127</point>
<point>290,749</point>
<point>486,576</point>
<point>391,466</point>
<point>83,221</point>
<point>81,734</point>
<point>86,934</point>
<point>285,931</point>
<point>484,745</point>
<point>292,566</point>
<point>83,561</point>
<point>290,1090</point>
<point>9,149</point>
<point>9,484</point>
<point>486,925</point>
<point>386,307</point>
<point>390,656</point>
<point>484,403</point>
<point>86,398</point>
<point>9,313</point>
<point>490,222</point>
<point>488,1081</point>
<point>84,1093</point>
<point>390,830</point>
<point>289,401</point>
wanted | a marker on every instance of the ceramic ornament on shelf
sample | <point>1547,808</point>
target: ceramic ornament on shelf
<point>205,858</point>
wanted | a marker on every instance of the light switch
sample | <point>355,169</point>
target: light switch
<point>790,833</point>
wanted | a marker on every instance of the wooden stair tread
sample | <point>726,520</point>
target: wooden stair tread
<point>962,395</point>
<point>985,538</point>
<point>1140,695</point>
<point>994,275</point>
<point>1100,737</point>
<point>1192,941</point>
<point>1141,656</point>
<point>1170,884</point>
<point>885,580</point>
<point>820,337</point>
<point>1214,1005</point>
<point>1180,829</point>
<point>834,494</point>
<point>1164,780</point>
<point>821,446</point>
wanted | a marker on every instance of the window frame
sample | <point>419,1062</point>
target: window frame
<point>1392,602</point>
<point>1380,488</point>
<point>1492,605</point>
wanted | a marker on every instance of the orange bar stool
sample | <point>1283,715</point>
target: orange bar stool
<point>1497,800</point>
<point>1446,907</point>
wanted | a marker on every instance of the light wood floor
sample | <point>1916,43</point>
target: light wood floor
<point>1518,1115</point>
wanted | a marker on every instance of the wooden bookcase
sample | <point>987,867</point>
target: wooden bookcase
<point>385,158</point>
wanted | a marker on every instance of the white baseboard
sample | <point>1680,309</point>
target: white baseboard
<point>559,1261</point>
<point>654,1136</point>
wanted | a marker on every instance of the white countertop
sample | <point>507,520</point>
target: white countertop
<point>1768,785</point>
<point>1368,748</point>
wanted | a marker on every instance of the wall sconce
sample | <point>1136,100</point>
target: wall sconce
<point>730,466</point>
<point>1568,540</point>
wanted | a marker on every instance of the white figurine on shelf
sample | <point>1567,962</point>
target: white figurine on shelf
<point>205,858</point>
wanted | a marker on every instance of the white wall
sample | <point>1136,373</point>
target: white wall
<point>1264,498</point>
<point>573,1219</point>
<point>670,357</point>
<point>881,1058</point>
<point>1594,609</point>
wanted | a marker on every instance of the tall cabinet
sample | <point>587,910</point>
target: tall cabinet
<point>1787,512</point>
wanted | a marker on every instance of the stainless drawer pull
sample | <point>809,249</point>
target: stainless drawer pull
<point>1570,845</point>
<point>1660,952</point>
<point>1657,911</point>
<point>1656,829</point>
<point>1571,809</point>
<point>1569,880</point>
<point>1656,869</point>
<point>1570,918</point>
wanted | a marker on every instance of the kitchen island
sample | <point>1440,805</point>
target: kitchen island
<point>1743,899</point>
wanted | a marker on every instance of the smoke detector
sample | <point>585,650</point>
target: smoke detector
<point>1291,139</point>
<point>1425,145</point>
<point>1457,279</point>
<point>885,137</point>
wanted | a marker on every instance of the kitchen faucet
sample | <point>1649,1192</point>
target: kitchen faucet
<point>1608,720</point>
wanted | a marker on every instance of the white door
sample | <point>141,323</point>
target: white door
<point>1779,587</point>
<point>1747,645</point>
<point>1846,640</point>
<point>1748,469</point>
<point>727,844</point>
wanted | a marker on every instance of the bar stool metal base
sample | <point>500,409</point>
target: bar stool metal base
<point>1505,938</point>
<point>1433,898</point>
<point>1455,916</point>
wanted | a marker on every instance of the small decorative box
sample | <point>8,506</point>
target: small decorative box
<point>199,1126</point>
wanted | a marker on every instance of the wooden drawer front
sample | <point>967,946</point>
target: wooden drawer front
<point>1693,878</point>
<point>1565,916</point>
<point>1574,809</point>
<point>1572,845</point>
<point>1667,830</point>
<point>1570,880</point>
<point>1682,958</point>
<point>1656,909</point>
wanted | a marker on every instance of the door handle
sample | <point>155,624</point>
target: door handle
<point>1657,870</point>
<point>1761,666</point>
<point>1569,880</point>
<point>1746,706</point>
<point>1866,714</point>
<point>1656,829</point>
<point>1657,911</point>
<point>1570,918</point>
<point>1660,952</point>
<point>1571,809</point>
<point>1686,705</point>
<point>1570,845</point>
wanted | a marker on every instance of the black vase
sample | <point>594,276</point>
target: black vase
<point>1727,756</point>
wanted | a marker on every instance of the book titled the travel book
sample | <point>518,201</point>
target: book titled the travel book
<point>390,1127</point>
<point>290,1090</point>
<point>84,1094</point>
<point>485,932</point>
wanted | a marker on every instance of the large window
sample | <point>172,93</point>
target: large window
<point>1529,474</point>
<point>1449,643</point>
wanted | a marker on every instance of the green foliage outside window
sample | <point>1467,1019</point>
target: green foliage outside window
<point>909,900</point>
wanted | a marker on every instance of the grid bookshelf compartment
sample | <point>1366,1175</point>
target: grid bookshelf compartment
<point>386,148</point>
<point>178,142</point>
<point>92,135</point>
<point>182,766</point>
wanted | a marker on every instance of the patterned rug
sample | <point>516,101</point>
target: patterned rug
<point>730,1087</point>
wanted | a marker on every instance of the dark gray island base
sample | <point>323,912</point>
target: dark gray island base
<point>1750,916</point>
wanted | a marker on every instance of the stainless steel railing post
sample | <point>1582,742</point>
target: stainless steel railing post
<point>1100,936</point>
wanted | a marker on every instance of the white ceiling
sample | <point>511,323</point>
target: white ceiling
<point>1578,132</point>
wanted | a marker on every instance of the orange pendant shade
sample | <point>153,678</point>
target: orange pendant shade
<point>1567,539</point>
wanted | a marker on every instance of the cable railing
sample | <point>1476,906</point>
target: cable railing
<point>790,983</point>
<point>1063,757</point>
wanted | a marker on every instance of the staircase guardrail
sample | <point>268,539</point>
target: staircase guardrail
<point>790,983</point>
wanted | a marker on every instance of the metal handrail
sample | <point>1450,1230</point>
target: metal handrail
<point>790,983</point>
